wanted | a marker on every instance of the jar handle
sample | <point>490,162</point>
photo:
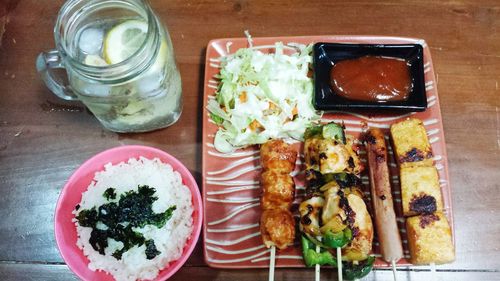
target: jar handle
<point>45,62</point>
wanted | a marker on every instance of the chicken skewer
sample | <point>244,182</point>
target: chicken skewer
<point>335,210</point>
<point>278,189</point>
<point>385,217</point>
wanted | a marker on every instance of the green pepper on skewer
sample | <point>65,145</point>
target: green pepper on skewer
<point>357,271</point>
<point>334,131</point>
<point>350,271</point>
<point>313,131</point>
<point>312,258</point>
<point>337,239</point>
<point>315,241</point>
<point>327,131</point>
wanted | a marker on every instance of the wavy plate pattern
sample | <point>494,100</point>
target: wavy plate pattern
<point>231,182</point>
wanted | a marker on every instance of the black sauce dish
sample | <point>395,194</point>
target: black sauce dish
<point>325,55</point>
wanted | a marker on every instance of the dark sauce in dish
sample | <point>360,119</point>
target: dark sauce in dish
<point>370,78</point>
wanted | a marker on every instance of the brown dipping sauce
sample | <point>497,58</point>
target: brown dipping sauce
<point>369,78</point>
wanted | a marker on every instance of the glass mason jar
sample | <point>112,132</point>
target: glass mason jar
<point>119,62</point>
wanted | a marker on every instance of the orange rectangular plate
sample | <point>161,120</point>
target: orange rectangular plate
<point>231,191</point>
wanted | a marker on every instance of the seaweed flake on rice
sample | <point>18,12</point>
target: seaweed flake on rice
<point>134,219</point>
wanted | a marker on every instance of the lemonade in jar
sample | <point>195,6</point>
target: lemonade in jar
<point>120,64</point>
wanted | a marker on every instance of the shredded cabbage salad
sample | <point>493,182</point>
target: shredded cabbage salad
<point>262,96</point>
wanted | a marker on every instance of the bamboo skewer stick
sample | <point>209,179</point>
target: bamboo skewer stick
<point>393,263</point>
<point>272,261</point>
<point>339,264</point>
<point>433,271</point>
<point>317,268</point>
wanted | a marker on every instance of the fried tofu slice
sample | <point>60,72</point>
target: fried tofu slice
<point>420,190</point>
<point>429,239</point>
<point>411,143</point>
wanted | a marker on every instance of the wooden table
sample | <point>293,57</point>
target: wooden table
<point>43,139</point>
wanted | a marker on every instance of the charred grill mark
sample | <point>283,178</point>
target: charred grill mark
<point>355,232</point>
<point>350,214</point>
<point>343,203</point>
<point>308,173</point>
<point>380,158</point>
<point>380,155</point>
<point>370,139</point>
<point>423,204</point>
<point>347,180</point>
<point>311,192</point>
<point>306,220</point>
<point>351,163</point>
<point>415,155</point>
<point>427,219</point>
<point>310,208</point>
<point>314,181</point>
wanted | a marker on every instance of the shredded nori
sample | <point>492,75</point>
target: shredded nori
<point>109,194</point>
<point>134,209</point>
<point>151,250</point>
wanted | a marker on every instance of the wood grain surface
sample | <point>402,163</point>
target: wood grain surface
<point>44,139</point>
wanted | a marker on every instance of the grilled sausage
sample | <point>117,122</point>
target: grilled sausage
<point>385,217</point>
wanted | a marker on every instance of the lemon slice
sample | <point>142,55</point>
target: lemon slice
<point>123,40</point>
<point>94,60</point>
<point>161,58</point>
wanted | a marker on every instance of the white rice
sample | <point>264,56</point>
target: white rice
<point>169,240</point>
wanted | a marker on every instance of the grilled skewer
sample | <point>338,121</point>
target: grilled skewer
<point>385,217</point>
<point>277,225</point>
<point>429,232</point>
<point>334,215</point>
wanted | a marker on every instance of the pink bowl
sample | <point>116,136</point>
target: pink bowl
<point>65,230</point>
